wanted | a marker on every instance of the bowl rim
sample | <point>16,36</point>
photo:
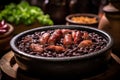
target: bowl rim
<point>82,57</point>
<point>67,18</point>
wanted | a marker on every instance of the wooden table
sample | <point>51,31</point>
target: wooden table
<point>11,71</point>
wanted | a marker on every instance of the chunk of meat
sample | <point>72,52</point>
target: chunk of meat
<point>66,31</point>
<point>26,39</point>
<point>54,37</point>
<point>77,37</point>
<point>85,43</point>
<point>73,34</point>
<point>67,41</point>
<point>56,48</point>
<point>36,47</point>
<point>85,35</point>
<point>44,39</point>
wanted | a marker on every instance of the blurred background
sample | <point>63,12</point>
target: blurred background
<point>59,9</point>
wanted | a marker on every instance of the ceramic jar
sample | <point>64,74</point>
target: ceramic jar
<point>110,22</point>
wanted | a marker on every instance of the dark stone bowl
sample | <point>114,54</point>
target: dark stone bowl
<point>70,22</point>
<point>83,66</point>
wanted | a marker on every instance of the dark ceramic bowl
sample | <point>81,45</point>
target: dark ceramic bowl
<point>92,24</point>
<point>84,65</point>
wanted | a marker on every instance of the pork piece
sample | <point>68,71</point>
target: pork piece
<point>27,39</point>
<point>67,41</point>
<point>85,36</point>
<point>85,43</point>
<point>54,37</point>
<point>66,31</point>
<point>73,33</point>
<point>56,48</point>
<point>77,36</point>
<point>44,38</point>
<point>36,47</point>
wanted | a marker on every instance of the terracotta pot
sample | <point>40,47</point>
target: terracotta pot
<point>5,39</point>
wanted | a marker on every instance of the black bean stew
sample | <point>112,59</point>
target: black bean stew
<point>61,43</point>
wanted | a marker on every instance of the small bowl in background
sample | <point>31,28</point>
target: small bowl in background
<point>5,39</point>
<point>85,19</point>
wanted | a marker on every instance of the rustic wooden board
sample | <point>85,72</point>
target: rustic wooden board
<point>10,68</point>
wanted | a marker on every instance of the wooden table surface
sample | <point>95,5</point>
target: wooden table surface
<point>10,70</point>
